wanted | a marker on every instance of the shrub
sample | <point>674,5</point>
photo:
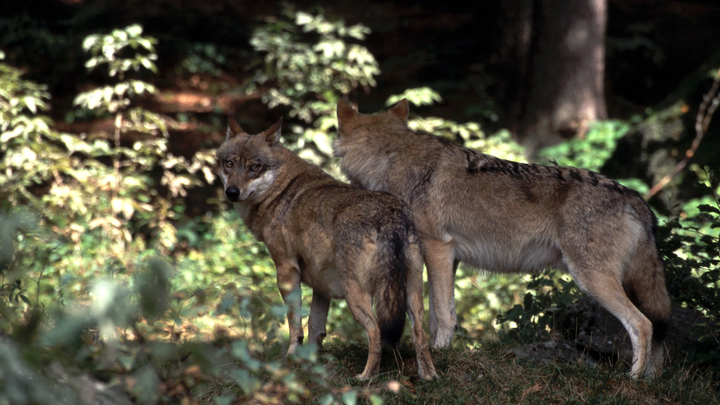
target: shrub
<point>309,63</point>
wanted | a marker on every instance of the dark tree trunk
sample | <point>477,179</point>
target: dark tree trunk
<point>553,53</point>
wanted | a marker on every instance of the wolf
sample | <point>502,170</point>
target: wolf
<point>505,216</point>
<point>344,242</point>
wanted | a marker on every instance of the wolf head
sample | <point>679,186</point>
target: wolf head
<point>371,143</point>
<point>358,130</point>
<point>248,164</point>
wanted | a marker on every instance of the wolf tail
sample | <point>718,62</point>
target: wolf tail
<point>645,282</point>
<point>390,294</point>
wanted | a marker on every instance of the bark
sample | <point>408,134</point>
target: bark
<point>557,72</point>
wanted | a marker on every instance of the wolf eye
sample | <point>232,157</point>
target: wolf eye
<point>254,168</point>
<point>229,164</point>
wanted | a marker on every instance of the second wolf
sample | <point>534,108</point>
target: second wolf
<point>342,241</point>
<point>511,217</point>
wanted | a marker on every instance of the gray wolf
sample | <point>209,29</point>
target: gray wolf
<point>511,217</point>
<point>342,241</point>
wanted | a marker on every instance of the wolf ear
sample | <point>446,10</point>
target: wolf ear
<point>233,128</point>
<point>401,110</point>
<point>272,134</point>
<point>345,112</point>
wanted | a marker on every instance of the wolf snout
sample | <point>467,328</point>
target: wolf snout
<point>232,193</point>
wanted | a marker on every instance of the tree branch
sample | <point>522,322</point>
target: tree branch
<point>707,108</point>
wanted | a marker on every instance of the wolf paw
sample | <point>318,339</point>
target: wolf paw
<point>364,376</point>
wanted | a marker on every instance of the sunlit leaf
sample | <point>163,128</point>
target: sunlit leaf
<point>134,30</point>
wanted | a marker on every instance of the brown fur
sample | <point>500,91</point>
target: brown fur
<point>342,241</point>
<point>512,217</point>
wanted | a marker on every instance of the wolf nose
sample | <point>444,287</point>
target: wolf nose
<point>232,193</point>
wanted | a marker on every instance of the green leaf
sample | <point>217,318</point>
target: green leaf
<point>89,42</point>
<point>30,104</point>
<point>134,30</point>
<point>418,96</point>
<point>327,399</point>
<point>24,298</point>
<point>708,209</point>
<point>8,135</point>
<point>349,398</point>
<point>247,383</point>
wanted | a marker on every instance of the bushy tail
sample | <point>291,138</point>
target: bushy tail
<point>391,284</point>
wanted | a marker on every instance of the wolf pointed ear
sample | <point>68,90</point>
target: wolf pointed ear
<point>345,112</point>
<point>272,134</point>
<point>401,110</point>
<point>233,128</point>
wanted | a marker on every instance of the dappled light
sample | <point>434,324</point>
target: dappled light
<point>126,277</point>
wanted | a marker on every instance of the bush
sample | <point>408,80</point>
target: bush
<point>309,63</point>
<point>84,222</point>
<point>690,246</point>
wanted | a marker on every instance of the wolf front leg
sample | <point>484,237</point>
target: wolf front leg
<point>318,318</point>
<point>288,279</point>
<point>441,265</point>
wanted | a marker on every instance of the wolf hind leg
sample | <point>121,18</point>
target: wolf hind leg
<point>359,302</point>
<point>426,369</point>
<point>440,262</point>
<point>318,318</point>
<point>646,286</point>
<point>606,288</point>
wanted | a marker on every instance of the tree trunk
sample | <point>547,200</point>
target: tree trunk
<point>555,73</point>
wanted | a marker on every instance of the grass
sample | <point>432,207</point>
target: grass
<point>489,374</point>
<point>484,374</point>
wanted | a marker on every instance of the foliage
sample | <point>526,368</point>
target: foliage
<point>418,96</point>
<point>480,298</point>
<point>132,191</point>
<point>690,246</point>
<point>107,283</point>
<point>543,307</point>
<point>224,272</point>
<point>308,65</point>
<point>310,57</point>
<point>468,134</point>
<point>592,151</point>
<point>204,58</point>
<point>116,334</point>
<point>109,206</point>
<point>26,140</point>
<point>106,50</point>
<point>34,41</point>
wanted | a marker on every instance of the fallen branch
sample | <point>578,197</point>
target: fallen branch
<point>705,112</point>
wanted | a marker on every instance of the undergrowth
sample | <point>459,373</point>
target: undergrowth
<point>110,292</point>
<point>489,373</point>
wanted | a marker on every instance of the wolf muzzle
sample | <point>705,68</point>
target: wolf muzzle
<point>232,193</point>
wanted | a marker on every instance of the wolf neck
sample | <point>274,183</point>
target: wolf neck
<point>273,206</point>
